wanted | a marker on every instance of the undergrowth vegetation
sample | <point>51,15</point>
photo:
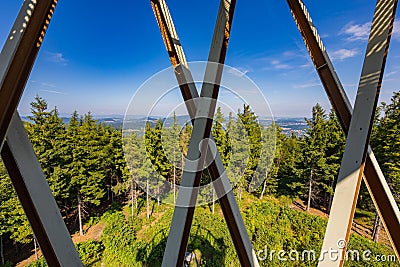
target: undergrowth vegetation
<point>272,225</point>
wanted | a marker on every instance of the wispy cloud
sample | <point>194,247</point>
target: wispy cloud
<point>289,53</point>
<point>389,74</point>
<point>278,65</point>
<point>46,84</point>
<point>343,54</point>
<point>53,92</point>
<point>307,65</point>
<point>306,85</point>
<point>356,32</point>
<point>56,58</point>
<point>396,30</point>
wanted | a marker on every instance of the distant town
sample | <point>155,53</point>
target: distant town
<point>289,126</point>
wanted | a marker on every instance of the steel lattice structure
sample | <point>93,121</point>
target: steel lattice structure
<point>17,59</point>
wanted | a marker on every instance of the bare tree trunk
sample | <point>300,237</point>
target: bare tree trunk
<point>174,185</point>
<point>80,214</point>
<point>309,192</point>
<point>111,192</point>
<point>1,250</point>
<point>158,195</point>
<point>377,227</point>
<point>174,180</point>
<point>36,252</point>
<point>136,198</point>
<point>132,198</point>
<point>328,210</point>
<point>264,186</point>
<point>213,201</point>
<point>147,199</point>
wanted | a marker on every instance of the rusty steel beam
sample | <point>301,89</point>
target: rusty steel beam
<point>373,176</point>
<point>222,186</point>
<point>16,62</point>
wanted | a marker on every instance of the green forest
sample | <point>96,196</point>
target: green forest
<point>96,188</point>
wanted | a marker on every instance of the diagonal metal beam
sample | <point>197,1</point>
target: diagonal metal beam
<point>16,61</point>
<point>189,92</point>
<point>353,161</point>
<point>19,54</point>
<point>183,214</point>
<point>227,199</point>
<point>373,176</point>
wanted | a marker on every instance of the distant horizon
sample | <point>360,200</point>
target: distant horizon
<point>100,70</point>
<point>67,115</point>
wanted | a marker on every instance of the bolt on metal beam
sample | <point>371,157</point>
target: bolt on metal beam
<point>227,199</point>
<point>373,176</point>
<point>16,61</point>
<point>353,161</point>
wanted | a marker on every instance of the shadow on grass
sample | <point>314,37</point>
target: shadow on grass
<point>207,250</point>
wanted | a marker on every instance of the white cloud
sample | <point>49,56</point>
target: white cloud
<point>47,84</point>
<point>389,74</point>
<point>57,58</point>
<point>356,32</point>
<point>276,64</point>
<point>396,30</point>
<point>289,53</point>
<point>307,85</point>
<point>343,54</point>
<point>53,92</point>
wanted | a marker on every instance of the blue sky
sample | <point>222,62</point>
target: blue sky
<point>96,54</point>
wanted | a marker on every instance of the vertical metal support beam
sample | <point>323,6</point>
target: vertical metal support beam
<point>36,198</point>
<point>16,61</point>
<point>373,176</point>
<point>227,199</point>
<point>353,162</point>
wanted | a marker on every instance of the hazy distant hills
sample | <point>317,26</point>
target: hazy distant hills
<point>137,122</point>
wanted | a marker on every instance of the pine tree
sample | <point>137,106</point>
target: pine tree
<point>333,153</point>
<point>13,221</point>
<point>253,129</point>
<point>386,143</point>
<point>171,146</point>
<point>6,193</point>
<point>86,166</point>
<point>240,154</point>
<point>291,181</point>
<point>270,163</point>
<point>221,137</point>
<point>314,156</point>
<point>47,134</point>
